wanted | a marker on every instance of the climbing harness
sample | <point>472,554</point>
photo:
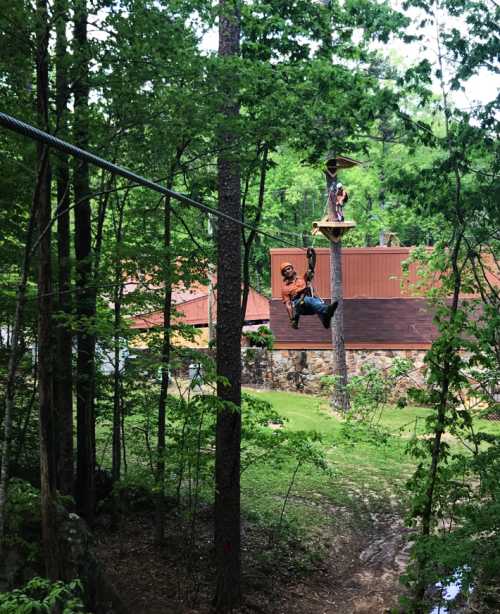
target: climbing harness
<point>298,303</point>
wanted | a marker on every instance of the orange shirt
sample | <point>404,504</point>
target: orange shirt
<point>291,288</point>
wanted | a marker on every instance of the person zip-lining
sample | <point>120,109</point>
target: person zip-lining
<point>298,294</point>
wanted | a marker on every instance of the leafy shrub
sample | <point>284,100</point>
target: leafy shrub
<point>371,389</point>
<point>23,520</point>
<point>135,492</point>
<point>261,338</point>
<point>402,402</point>
<point>41,595</point>
<point>23,505</point>
<point>419,396</point>
<point>369,392</point>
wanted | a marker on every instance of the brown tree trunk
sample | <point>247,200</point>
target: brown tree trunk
<point>228,430</point>
<point>162,403</point>
<point>165,357</point>
<point>117,384</point>
<point>45,347</point>
<point>63,377</point>
<point>84,490</point>
<point>340,399</point>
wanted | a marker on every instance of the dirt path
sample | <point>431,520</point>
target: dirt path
<point>359,574</point>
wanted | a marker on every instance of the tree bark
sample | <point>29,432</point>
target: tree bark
<point>117,384</point>
<point>228,430</point>
<point>85,490</point>
<point>45,347</point>
<point>165,360</point>
<point>165,351</point>
<point>340,399</point>
<point>63,377</point>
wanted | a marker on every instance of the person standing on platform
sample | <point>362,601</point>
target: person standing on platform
<point>340,200</point>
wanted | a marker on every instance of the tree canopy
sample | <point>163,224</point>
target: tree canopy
<point>244,129</point>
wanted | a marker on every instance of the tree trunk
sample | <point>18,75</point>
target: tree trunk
<point>63,377</point>
<point>84,491</point>
<point>165,358</point>
<point>439,430</point>
<point>45,347</point>
<point>117,384</point>
<point>340,399</point>
<point>211,292</point>
<point>228,430</point>
<point>14,357</point>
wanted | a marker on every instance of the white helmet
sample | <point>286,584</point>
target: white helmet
<point>339,185</point>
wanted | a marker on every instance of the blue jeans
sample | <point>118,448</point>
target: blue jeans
<point>309,306</point>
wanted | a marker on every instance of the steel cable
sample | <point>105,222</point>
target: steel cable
<point>31,132</point>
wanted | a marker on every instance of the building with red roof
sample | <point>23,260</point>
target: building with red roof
<point>381,309</point>
<point>192,305</point>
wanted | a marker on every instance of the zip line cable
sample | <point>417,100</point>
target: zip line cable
<point>31,132</point>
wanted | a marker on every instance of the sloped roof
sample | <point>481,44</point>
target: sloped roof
<point>390,323</point>
<point>195,310</point>
<point>180,292</point>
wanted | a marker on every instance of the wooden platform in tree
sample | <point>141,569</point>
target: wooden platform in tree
<point>333,231</point>
<point>340,162</point>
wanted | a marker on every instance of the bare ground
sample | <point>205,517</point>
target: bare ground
<point>352,567</point>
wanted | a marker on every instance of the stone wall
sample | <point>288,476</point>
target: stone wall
<point>302,370</point>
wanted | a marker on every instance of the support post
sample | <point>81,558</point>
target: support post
<point>340,399</point>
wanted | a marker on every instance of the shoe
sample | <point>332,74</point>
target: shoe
<point>330,310</point>
<point>294,322</point>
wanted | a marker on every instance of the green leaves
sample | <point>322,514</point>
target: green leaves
<point>41,596</point>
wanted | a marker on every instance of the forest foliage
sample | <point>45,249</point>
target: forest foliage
<point>83,250</point>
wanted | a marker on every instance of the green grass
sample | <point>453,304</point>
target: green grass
<point>364,474</point>
<point>488,426</point>
<point>312,413</point>
<point>302,412</point>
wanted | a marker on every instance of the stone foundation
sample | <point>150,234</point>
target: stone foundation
<point>302,370</point>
